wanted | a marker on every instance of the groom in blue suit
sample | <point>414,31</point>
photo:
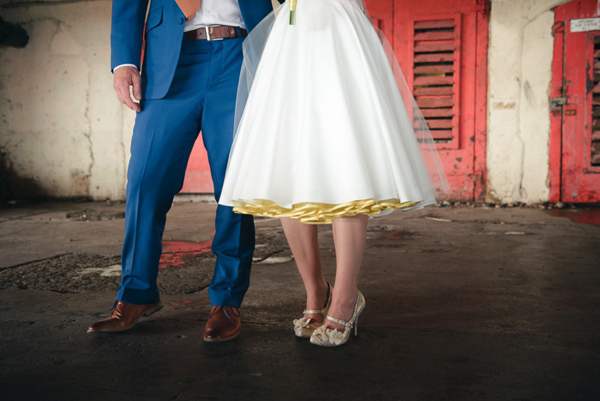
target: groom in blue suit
<point>188,84</point>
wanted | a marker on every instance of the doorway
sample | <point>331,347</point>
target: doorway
<point>575,104</point>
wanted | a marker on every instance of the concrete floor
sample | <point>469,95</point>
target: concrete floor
<point>462,304</point>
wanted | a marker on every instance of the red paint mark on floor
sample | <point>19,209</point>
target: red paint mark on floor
<point>586,216</point>
<point>174,252</point>
<point>196,303</point>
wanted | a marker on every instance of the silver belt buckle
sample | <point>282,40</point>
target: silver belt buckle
<point>207,29</point>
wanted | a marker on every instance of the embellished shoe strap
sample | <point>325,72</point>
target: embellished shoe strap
<point>327,304</point>
<point>339,321</point>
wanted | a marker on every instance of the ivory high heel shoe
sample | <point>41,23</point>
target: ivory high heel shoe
<point>326,337</point>
<point>305,326</point>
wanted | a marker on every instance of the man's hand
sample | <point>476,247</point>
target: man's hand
<point>124,78</point>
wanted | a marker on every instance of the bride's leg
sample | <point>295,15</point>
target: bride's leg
<point>305,248</point>
<point>349,235</point>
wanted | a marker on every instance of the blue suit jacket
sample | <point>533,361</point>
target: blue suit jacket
<point>164,33</point>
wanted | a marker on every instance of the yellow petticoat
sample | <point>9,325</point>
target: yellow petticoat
<point>319,213</point>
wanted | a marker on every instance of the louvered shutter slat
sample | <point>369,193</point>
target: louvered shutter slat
<point>435,71</point>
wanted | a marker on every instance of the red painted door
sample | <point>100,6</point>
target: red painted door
<point>382,15</point>
<point>442,49</point>
<point>575,105</point>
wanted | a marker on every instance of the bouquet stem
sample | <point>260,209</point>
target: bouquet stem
<point>293,12</point>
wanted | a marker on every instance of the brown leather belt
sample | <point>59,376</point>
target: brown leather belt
<point>218,32</point>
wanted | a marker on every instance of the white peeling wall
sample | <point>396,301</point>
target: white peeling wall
<point>62,127</point>
<point>520,73</point>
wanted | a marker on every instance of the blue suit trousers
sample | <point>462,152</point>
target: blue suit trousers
<point>201,97</point>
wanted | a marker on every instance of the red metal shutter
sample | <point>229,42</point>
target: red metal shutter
<point>436,75</point>
<point>442,49</point>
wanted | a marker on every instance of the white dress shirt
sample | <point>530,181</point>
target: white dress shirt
<point>216,12</point>
<point>212,12</point>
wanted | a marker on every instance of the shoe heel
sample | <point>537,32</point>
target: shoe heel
<point>356,327</point>
<point>153,310</point>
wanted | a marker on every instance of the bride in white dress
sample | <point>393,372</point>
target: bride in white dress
<point>327,132</point>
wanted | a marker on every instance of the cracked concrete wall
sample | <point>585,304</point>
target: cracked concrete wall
<point>520,61</point>
<point>62,127</point>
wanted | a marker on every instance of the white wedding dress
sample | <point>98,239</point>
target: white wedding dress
<point>325,125</point>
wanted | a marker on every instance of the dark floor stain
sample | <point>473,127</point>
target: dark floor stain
<point>586,216</point>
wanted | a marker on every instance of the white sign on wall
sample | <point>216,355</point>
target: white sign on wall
<point>585,24</point>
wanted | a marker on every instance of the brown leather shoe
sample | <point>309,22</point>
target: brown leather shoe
<point>224,324</point>
<point>123,316</point>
